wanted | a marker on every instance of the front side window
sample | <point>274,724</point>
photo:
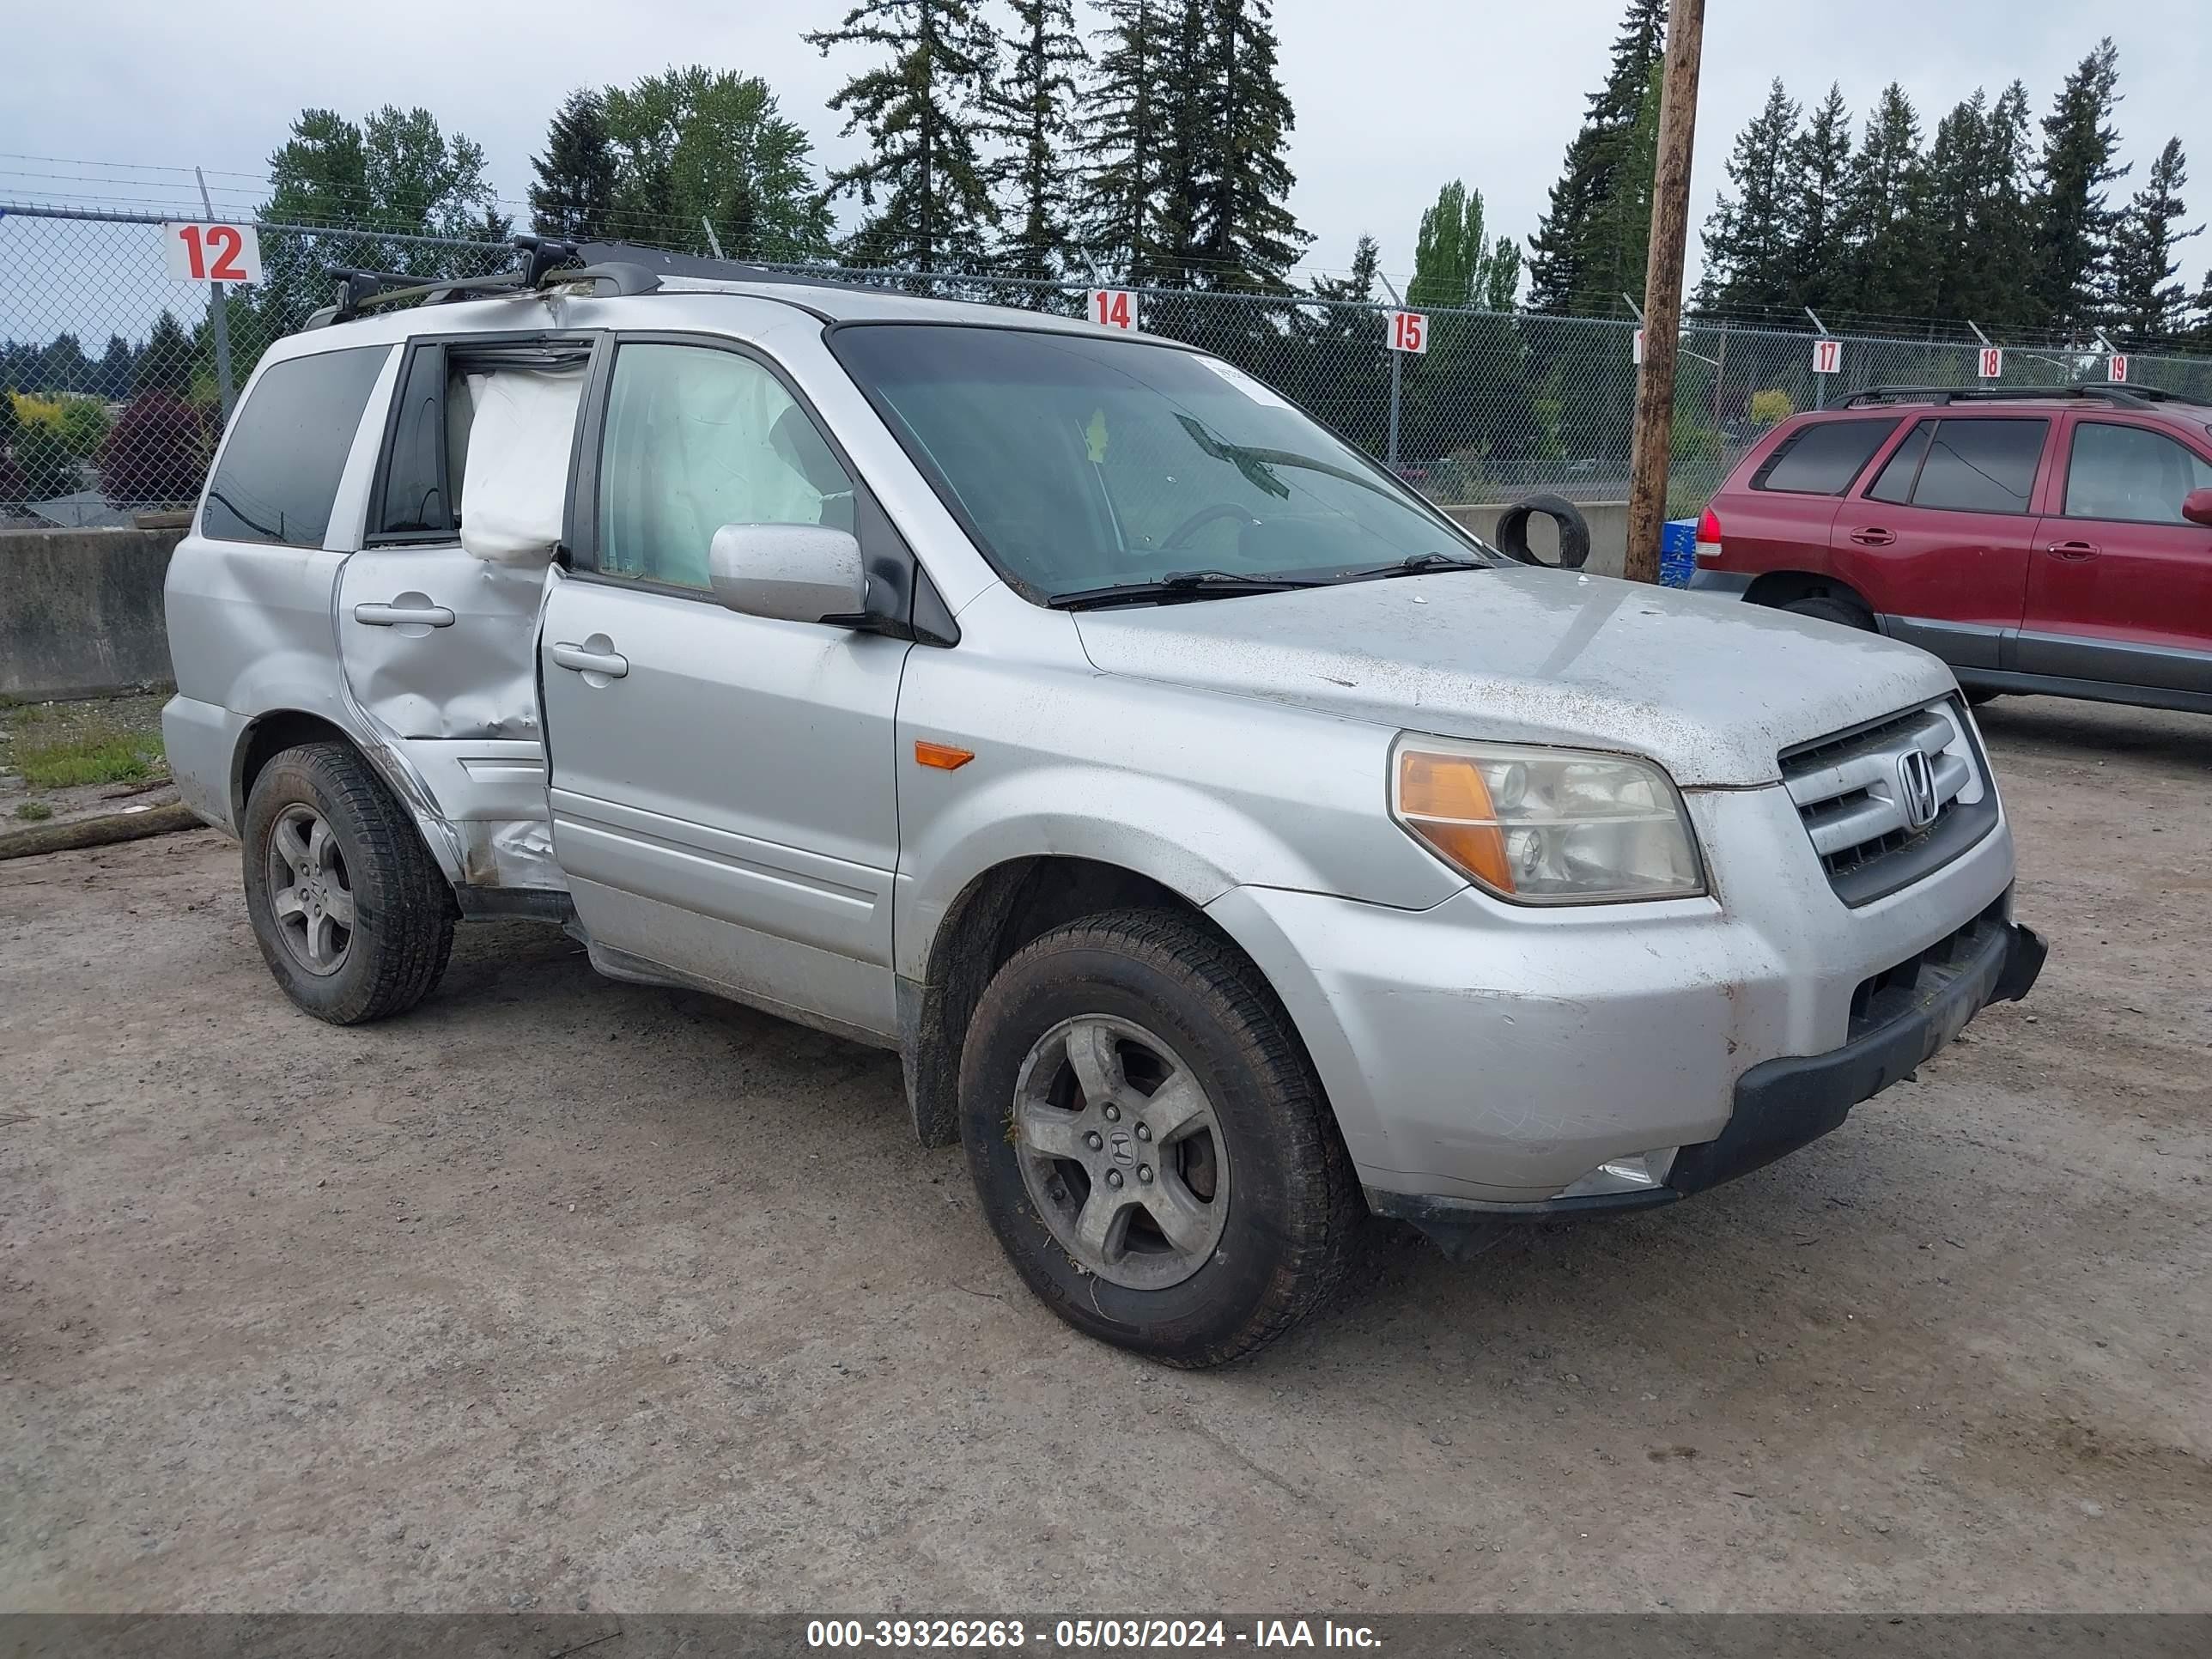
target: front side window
<point>1980,465</point>
<point>697,438</point>
<point>1080,464</point>
<point>2130,472</point>
<point>279,472</point>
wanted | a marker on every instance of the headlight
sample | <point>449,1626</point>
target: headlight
<point>1546,826</point>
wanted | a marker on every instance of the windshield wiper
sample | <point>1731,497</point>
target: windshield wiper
<point>1180,584</point>
<point>1419,564</point>
<point>1257,464</point>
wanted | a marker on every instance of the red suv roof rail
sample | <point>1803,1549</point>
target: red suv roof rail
<point>2112,391</point>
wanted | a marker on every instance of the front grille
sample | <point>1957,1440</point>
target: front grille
<point>1895,991</point>
<point>1888,802</point>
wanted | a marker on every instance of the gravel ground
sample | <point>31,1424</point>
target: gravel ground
<point>562,1293</point>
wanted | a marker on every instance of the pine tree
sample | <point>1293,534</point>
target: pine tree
<point>692,143</point>
<point>1242,233</point>
<point>2074,225</point>
<point>1586,237</point>
<point>1750,238</point>
<point>574,193</point>
<point>1455,264</point>
<point>1356,286</point>
<point>2146,303</point>
<point>1033,115</point>
<point>1124,135</point>
<point>922,181</point>
<point>1886,238</point>
<point>1821,166</point>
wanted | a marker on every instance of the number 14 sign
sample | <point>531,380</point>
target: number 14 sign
<point>212,253</point>
<point>1113,307</point>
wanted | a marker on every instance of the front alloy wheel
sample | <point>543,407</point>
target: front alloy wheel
<point>1120,1152</point>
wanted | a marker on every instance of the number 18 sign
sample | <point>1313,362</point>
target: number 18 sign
<point>212,253</point>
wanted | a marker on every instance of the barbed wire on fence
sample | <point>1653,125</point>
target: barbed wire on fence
<point>115,394</point>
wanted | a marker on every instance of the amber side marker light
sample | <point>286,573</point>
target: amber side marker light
<point>1443,800</point>
<point>942,756</point>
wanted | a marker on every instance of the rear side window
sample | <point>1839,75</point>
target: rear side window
<point>279,471</point>
<point>419,497</point>
<point>1823,458</point>
<point>1977,466</point>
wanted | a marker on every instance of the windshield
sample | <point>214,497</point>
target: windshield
<point>1082,463</point>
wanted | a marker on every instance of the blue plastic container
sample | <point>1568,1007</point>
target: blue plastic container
<point>1678,552</point>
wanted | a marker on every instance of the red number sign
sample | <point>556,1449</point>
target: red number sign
<point>1992,364</point>
<point>1636,351</point>
<point>2117,368</point>
<point>212,253</point>
<point>1113,307</point>
<point>1827,356</point>
<point>1409,332</point>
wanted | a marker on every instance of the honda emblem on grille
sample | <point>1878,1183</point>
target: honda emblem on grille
<point>1915,789</point>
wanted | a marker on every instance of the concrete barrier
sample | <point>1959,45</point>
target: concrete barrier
<point>1608,526</point>
<point>81,611</point>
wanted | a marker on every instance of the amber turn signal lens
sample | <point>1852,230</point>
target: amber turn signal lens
<point>1443,800</point>
<point>942,755</point>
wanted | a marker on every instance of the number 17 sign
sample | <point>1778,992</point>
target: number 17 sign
<point>212,253</point>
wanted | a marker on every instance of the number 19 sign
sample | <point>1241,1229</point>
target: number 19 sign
<point>1113,307</point>
<point>212,253</point>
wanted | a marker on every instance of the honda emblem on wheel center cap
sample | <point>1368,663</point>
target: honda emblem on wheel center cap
<point>1123,1153</point>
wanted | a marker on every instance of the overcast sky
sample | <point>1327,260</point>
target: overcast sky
<point>1392,98</point>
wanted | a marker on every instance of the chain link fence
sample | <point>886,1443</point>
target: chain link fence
<point>115,378</point>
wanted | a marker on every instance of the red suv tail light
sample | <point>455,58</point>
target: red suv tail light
<point>1709,537</point>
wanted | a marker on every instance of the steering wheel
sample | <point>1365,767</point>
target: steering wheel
<point>1198,522</point>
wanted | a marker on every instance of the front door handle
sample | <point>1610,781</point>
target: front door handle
<point>2075,549</point>
<point>397,615</point>
<point>1872,536</point>
<point>612,663</point>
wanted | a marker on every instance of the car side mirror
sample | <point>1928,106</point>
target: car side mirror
<point>805,573</point>
<point>2197,507</point>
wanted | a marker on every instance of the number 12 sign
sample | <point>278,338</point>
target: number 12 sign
<point>1113,307</point>
<point>212,253</point>
<point>1409,332</point>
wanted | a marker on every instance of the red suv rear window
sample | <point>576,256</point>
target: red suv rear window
<point>1822,458</point>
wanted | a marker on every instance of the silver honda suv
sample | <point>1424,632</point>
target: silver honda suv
<point>1229,844</point>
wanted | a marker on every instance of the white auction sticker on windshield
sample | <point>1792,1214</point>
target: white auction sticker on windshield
<point>1245,383</point>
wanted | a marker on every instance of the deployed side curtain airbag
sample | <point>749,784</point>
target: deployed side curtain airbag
<point>520,431</point>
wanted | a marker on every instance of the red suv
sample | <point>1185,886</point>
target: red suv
<point>2037,541</point>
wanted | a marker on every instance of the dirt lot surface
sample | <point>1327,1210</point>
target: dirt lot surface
<point>562,1293</point>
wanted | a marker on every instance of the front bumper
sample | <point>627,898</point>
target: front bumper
<point>1785,1104</point>
<point>1496,1055</point>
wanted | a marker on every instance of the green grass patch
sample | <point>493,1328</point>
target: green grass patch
<point>33,812</point>
<point>92,756</point>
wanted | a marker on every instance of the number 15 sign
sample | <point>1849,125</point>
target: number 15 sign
<point>212,253</point>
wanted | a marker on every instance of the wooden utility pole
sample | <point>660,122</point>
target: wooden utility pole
<point>1662,288</point>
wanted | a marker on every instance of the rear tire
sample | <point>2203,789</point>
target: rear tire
<point>1829,607</point>
<point>352,916</point>
<point>1225,1224</point>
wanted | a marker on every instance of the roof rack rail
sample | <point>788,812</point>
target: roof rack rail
<point>2120,394</point>
<point>546,263</point>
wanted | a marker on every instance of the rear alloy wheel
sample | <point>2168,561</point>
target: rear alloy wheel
<point>1149,1140</point>
<point>352,916</point>
<point>1829,608</point>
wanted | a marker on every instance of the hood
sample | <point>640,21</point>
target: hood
<point>1711,688</point>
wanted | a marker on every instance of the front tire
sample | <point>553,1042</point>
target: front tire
<point>1150,1142</point>
<point>352,916</point>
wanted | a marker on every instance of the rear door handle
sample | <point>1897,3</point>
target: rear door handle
<point>612,664</point>
<point>402,615</point>
<point>2076,549</point>
<point>1871,536</point>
